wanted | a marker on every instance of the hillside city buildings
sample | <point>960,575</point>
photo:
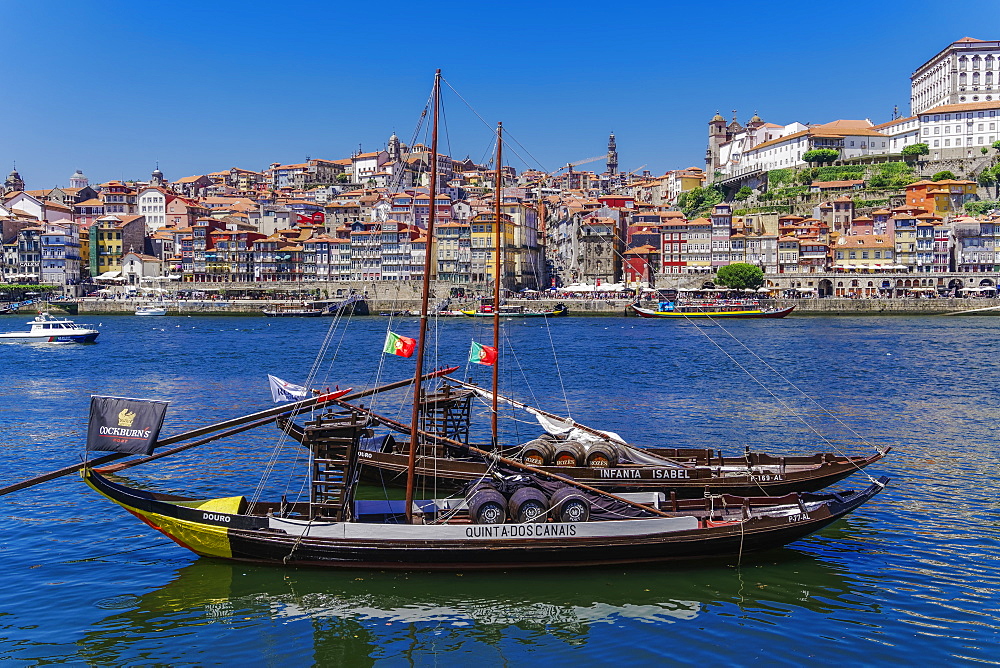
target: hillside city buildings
<point>364,218</point>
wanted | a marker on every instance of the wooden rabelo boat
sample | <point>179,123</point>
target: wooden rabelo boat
<point>711,310</point>
<point>518,516</point>
<point>597,458</point>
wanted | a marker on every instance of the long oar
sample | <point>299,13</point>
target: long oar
<point>214,437</point>
<point>58,473</point>
<point>259,423</point>
<point>263,417</point>
<point>399,426</point>
<point>259,418</point>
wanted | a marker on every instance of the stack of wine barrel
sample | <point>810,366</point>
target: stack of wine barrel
<point>490,503</point>
<point>549,450</point>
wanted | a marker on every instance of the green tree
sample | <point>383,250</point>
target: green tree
<point>981,207</point>
<point>743,193</point>
<point>990,177</point>
<point>878,181</point>
<point>821,155</point>
<point>699,201</point>
<point>740,276</point>
<point>342,178</point>
<point>941,176</point>
<point>984,150</point>
<point>996,144</point>
<point>916,149</point>
<point>805,176</point>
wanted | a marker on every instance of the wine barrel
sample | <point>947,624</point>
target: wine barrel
<point>569,505</point>
<point>528,505</point>
<point>537,452</point>
<point>487,505</point>
<point>569,453</point>
<point>602,455</point>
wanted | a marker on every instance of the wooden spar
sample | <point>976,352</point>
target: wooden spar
<point>58,473</point>
<point>296,407</point>
<point>253,425</point>
<point>402,428</point>
<point>262,418</point>
<point>398,384</point>
<point>424,298</point>
<point>498,186</point>
<point>582,427</point>
<point>181,448</point>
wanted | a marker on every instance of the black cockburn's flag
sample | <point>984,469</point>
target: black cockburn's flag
<point>124,425</point>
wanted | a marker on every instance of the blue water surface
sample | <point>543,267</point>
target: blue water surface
<point>911,577</point>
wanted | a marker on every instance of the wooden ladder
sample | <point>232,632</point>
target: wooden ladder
<point>333,442</point>
<point>447,413</point>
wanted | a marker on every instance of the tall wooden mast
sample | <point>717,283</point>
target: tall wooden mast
<point>497,280</point>
<point>424,298</point>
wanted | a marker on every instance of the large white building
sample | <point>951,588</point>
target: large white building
<point>964,71</point>
<point>901,132</point>
<point>955,97</point>
<point>960,130</point>
<point>152,203</point>
<point>784,146</point>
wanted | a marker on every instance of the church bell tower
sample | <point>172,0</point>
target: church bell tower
<point>612,155</point>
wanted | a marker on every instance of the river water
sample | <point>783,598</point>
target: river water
<point>913,576</point>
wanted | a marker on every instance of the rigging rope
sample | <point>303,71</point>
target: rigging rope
<point>774,396</point>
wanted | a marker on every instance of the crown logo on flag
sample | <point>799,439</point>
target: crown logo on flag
<point>125,418</point>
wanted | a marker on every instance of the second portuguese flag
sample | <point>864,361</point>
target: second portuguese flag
<point>481,354</point>
<point>399,345</point>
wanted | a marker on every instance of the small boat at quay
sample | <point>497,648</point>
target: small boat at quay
<point>291,311</point>
<point>47,328</point>
<point>151,309</point>
<point>681,311</point>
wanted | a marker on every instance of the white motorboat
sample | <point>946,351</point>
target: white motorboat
<point>151,309</point>
<point>47,328</point>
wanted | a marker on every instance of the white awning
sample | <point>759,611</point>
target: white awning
<point>109,275</point>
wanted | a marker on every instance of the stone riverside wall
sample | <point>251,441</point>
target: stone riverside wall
<point>580,307</point>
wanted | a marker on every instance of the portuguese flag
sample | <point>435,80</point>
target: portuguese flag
<point>399,345</point>
<point>481,354</point>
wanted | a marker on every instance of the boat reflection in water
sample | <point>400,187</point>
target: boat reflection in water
<point>356,618</point>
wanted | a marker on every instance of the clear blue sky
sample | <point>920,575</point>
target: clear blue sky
<point>113,87</point>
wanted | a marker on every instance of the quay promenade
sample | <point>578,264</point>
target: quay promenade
<point>577,307</point>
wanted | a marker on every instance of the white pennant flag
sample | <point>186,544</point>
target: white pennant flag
<point>282,390</point>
